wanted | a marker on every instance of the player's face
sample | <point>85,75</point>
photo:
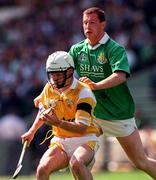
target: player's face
<point>93,28</point>
<point>57,79</point>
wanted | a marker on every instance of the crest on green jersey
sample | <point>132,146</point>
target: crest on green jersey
<point>83,56</point>
<point>101,58</point>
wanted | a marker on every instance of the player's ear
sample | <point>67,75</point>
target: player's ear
<point>70,70</point>
<point>103,25</point>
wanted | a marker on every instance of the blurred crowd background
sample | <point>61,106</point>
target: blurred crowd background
<point>31,30</point>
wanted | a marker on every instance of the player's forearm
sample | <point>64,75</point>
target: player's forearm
<point>73,126</point>
<point>37,124</point>
<point>50,117</point>
<point>29,135</point>
<point>113,80</point>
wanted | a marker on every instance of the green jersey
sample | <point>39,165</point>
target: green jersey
<point>99,62</point>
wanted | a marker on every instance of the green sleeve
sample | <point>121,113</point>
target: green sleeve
<point>72,52</point>
<point>118,59</point>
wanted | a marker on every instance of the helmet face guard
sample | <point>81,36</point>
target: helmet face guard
<point>59,62</point>
<point>56,83</point>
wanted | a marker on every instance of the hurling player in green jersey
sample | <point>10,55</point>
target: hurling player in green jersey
<point>102,64</point>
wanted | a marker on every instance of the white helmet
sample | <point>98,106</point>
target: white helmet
<point>59,61</point>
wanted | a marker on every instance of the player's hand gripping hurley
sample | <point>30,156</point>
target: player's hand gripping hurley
<point>19,165</point>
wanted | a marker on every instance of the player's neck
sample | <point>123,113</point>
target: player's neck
<point>66,86</point>
<point>95,41</point>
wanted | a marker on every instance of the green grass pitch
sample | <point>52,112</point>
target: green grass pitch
<point>134,175</point>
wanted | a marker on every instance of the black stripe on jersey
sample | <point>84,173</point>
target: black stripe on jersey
<point>85,107</point>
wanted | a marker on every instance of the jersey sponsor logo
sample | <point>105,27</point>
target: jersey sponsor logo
<point>83,57</point>
<point>102,59</point>
<point>89,68</point>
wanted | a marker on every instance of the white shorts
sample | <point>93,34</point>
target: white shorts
<point>117,128</point>
<point>69,145</point>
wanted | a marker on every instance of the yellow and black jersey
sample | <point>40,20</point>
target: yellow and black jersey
<point>75,104</point>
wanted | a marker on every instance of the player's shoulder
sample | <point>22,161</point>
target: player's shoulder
<point>78,45</point>
<point>113,46</point>
<point>83,85</point>
<point>47,88</point>
<point>85,88</point>
<point>111,43</point>
<point>47,85</point>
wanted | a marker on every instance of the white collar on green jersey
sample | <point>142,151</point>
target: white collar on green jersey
<point>103,40</point>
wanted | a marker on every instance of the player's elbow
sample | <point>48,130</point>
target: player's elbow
<point>120,76</point>
<point>81,128</point>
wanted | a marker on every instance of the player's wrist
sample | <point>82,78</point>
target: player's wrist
<point>32,130</point>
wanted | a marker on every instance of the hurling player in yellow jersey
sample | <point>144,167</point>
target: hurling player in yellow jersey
<point>67,105</point>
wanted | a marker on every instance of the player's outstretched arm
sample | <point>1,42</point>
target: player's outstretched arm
<point>29,135</point>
